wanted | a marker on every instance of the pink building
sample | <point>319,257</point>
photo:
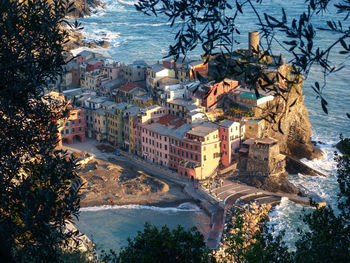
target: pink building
<point>72,129</point>
<point>185,156</point>
<point>155,139</point>
<point>93,64</point>
<point>230,134</point>
<point>215,92</point>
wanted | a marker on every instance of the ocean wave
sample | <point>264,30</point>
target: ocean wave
<point>101,51</point>
<point>188,207</point>
<point>286,216</point>
<point>128,2</point>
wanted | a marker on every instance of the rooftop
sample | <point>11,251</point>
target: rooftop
<point>250,95</point>
<point>227,123</point>
<point>204,129</point>
<point>171,120</point>
<point>266,140</point>
<point>130,86</point>
<point>157,67</point>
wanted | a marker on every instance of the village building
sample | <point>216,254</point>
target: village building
<point>250,99</point>
<point>129,91</point>
<point>264,157</point>
<point>137,71</point>
<point>114,118</point>
<point>155,138</point>
<point>72,128</point>
<point>157,72</point>
<point>231,134</point>
<point>129,116</point>
<point>197,155</point>
<point>254,128</point>
<point>214,92</point>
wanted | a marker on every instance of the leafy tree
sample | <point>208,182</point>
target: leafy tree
<point>214,25</point>
<point>38,185</point>
<point>249,240</point>
<point>163,245</point>
<point>329,237</point>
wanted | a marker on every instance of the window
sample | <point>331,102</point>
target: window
<point>78,113</point>
<point>186,145</point>
<point>79,121</point>
<point>204,158</point>
<point>166,147</point>
<point>62,132</point>
<point>73,122</point>
<point>67,131</point>
<point>73,130</point>
<point>215,146</point>
<point>204,148</point>
<point>196,157</point>
<point>67,124</point>
<point>186,154</point>
<point>166,156</point>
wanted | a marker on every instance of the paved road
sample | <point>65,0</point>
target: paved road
<point>231,193</point>
<point>226,195</point>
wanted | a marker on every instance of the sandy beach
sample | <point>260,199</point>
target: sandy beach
<point>121,183</point>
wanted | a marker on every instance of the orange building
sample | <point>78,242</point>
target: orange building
<point>215,91</point>
<point>72,128</point>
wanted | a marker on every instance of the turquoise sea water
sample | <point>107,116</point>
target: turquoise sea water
<point>109,227</point>
<point>135,36</point>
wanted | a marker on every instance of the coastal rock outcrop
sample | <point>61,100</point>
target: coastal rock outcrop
<point>292,114</point>
<point>84,8</point>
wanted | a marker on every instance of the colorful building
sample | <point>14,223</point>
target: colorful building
<point>197,155</point>
<point>155,138</point>
<point>230,134</point>
<point>214,92</point>
<point>72,129</point>
<point>250,99</point>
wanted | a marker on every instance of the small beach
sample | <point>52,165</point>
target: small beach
<point>121,183</point>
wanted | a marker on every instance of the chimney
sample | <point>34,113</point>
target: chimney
<point>253,42</point>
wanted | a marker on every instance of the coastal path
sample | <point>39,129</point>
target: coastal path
<point>236,193</point>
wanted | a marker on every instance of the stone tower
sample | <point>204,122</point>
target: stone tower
<point>253,41</point>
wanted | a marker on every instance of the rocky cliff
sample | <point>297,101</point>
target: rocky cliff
<point>84,7</point>
<point>291,125</point>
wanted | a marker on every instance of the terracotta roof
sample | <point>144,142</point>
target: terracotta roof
<point>171,120</point>
<point>131,85</point>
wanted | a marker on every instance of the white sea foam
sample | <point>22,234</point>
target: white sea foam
<point>127,2</point>
<point>286,217</point>
<point>188,207</point>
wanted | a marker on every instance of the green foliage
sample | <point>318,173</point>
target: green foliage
<point>38,186</point>
<point>326,241</point>
<point>329,237</point>
<point>163,245</point>
<point>249,239</point>
<point>214,25</point>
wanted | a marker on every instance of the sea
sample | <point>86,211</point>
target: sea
<point>135,36</point>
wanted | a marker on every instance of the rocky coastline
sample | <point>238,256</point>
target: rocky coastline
<point>83,8</point>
